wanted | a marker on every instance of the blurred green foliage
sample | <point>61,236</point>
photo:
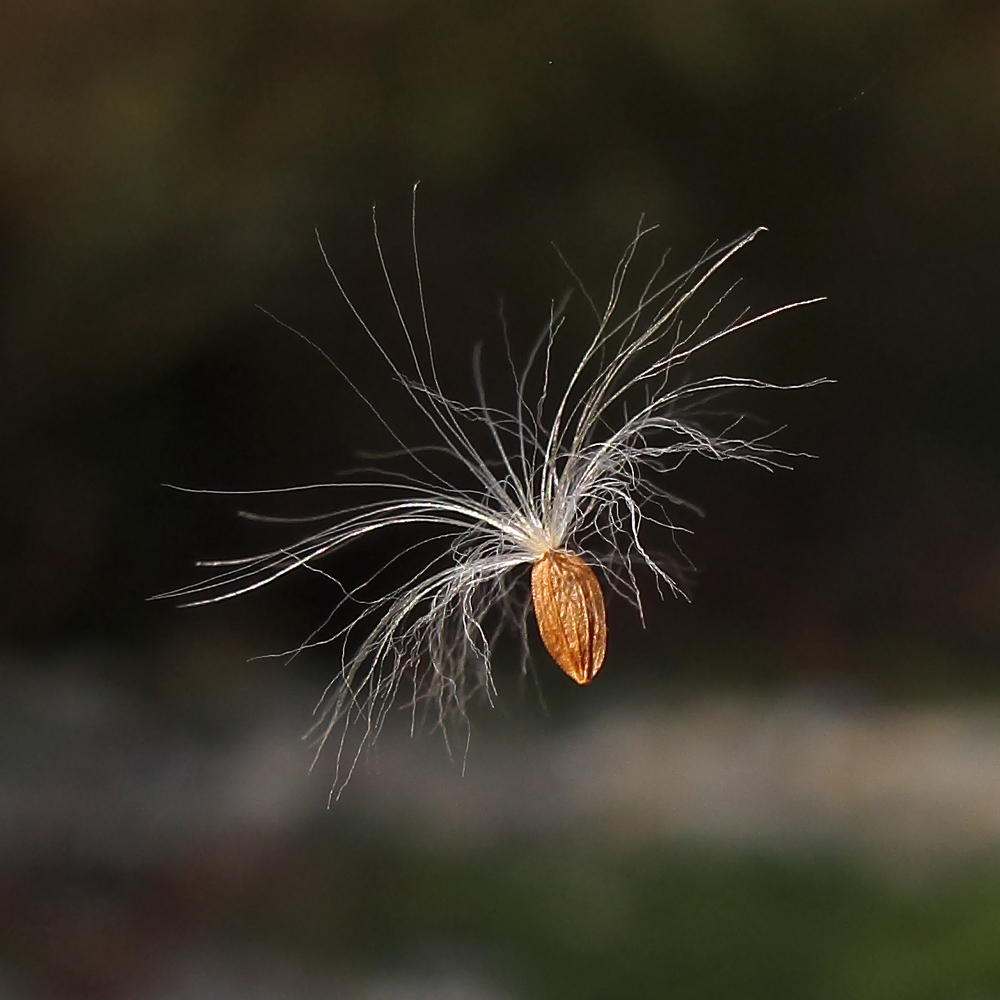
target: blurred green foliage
<point>548,920</point>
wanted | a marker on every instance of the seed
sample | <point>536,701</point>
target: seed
<point>569,609</point>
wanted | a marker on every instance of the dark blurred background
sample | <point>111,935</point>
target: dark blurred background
<point>162,169</point>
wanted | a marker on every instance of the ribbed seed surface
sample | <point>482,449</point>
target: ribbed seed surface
<point>569,609</point>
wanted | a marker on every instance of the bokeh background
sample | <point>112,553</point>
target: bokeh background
<point>788,787</point>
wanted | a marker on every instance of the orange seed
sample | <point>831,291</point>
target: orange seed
<point>569,609</point>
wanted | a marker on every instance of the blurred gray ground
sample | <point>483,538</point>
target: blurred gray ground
<point>119,819</point>
<point>770,772</point>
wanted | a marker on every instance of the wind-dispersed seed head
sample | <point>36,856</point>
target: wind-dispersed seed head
<point>572,470</point>
<point>569,609</point>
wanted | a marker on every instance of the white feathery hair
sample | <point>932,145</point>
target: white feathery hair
<point>578,469</point>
